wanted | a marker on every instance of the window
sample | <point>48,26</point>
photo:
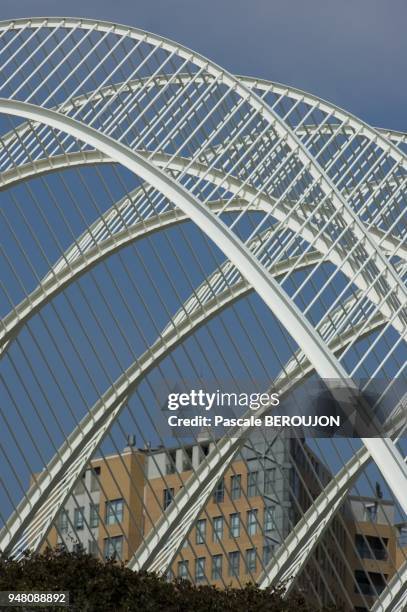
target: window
<point>252,487</point>
<point>250,560</point>
<point>114,511</point>
<point>369,583</point>
<point>269,480</point>
<point>113,548</point>
<point>216,567</point>
<point>170,466</point>
<point>183,569</point>
<point>371,547</point>
<point>371,513</point>
<point>200,569</point>
<point>268,519</point>
<point>79,518</point>
<point>200,531</point>
<point>168,496</point>
<point>63,521</point>
<point>94,516</point>
<point>217,528</point>
<point>80,486</point>
<point>267,553</point>
<point>93,548</point>
<point>94,479</point>
<point>219,492</point>
<point>252,522</point>
<point>236,486</point>
<point>235,525</point>
<point>234,561</point>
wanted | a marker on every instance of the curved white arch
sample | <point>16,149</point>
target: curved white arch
<point>36,513</point>
<point>56,281</point>
<point>363,236</point>
<point>257,104</point>
<point>386,456</point>
<point>385,138</point>
<point>83,158</point>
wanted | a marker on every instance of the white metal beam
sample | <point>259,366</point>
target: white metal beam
<point>52,284</point>
<point>385,455</point>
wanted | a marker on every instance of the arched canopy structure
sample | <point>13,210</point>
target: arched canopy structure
<point>305,202</point>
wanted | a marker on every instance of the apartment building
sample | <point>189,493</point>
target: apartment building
<point>253,508</point>
<point>104,516</point>
<point>261,496</point>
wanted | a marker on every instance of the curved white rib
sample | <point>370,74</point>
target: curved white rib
<point>386,456</point>
<point>84,440</point>
<point>385,138</point>
<point>83,158</point>
<point>383,267</point>
<point>60,276</point>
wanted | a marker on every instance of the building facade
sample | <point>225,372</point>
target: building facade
<point>248,516</point>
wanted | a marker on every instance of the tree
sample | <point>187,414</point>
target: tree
<point>108,586</point>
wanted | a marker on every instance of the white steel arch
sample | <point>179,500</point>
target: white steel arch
<point>384,452</point>
<point>258,105</point>
<point>35,514</point>
<point>87,447</point>
<point>75,263</point>
<point>386,138</point>
<point>386,458</point>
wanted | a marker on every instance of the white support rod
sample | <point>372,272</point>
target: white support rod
<point>387,458</point>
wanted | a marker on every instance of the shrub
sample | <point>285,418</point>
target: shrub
<point>108,586</point>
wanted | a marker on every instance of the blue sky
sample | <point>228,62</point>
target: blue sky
<point>354,56</point>
<point>352,52</point>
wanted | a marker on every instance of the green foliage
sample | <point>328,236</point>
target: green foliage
<point>96,586</point>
